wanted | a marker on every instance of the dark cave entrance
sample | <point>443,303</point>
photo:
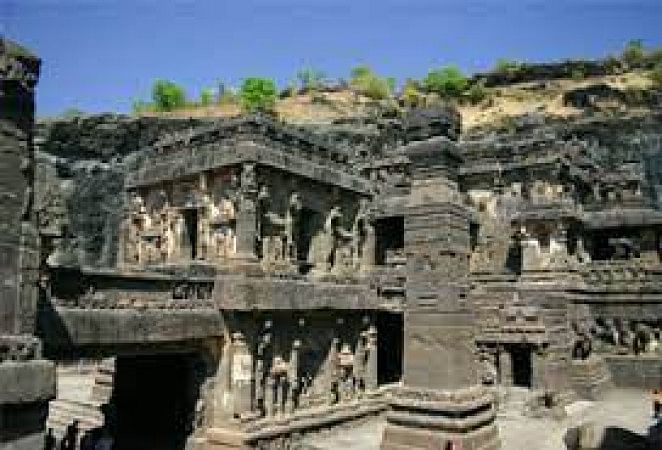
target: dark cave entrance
<point>521,364</point>
<point>310,221</point>
<point>154,400</point>
<point>190,241</point>
<point>389,238</point>
<point>390,338</point>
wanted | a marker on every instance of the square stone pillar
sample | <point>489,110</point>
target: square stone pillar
<point>505,367</point>
<point>441,401</point>
<point>27,382</point>
<point>241,375</point>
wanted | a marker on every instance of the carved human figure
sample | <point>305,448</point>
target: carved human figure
<point>337,248</point>
<point>292,226</point>
<point>273,228</point>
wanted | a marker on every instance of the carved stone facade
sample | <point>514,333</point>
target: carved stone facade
<point>273,280</point>
<point>27,381</point>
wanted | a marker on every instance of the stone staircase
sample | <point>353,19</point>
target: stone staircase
<point>63,412</point>
<point>82,391</point>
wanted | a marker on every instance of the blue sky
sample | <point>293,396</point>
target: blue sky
<point>99,55</point>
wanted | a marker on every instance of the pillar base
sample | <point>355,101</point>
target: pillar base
<point>430,419</point>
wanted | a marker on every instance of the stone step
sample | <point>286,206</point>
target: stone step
<point>62,413</point>
<point>75,407</point>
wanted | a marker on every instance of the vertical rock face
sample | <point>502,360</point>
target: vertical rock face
<point>26,382</point>
<point>18,76</point>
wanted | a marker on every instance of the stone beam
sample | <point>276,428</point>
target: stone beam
<point>79,327</point>
<point>246,294</point>
<point>214,156</point>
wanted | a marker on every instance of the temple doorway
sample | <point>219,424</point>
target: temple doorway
<point>190,238</point>
<point>153,401</point>
<point>389,238</point>
<point>521,364</point>
<point>390,336</point>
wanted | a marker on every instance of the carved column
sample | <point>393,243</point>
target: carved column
<point>359,369</point>
<point>293,376</point>
<point>505,367</point>
<point>242,366</point>
<point>371,360</point>
<point>368,260</point>
<point>246,215</point>
<point>332,367</point>
<point>23,403</point>
<point>536,368</point>
<point>440,402</point>
<point>530,252</point>
<point>269,395</point>
<point>258,380</point>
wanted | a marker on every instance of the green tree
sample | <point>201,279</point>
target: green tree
<point>206,97</point>
<point>634,53</point>
<point>411,93</point>
<point>447,81</point>
<point>477,92</point>
<point>368,83</point>
<point>258,93</point>
<point>361,73</point>
<point>310,79</point>
<point>167,96</point>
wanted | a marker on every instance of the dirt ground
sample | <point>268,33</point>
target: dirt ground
<point>623,417</point>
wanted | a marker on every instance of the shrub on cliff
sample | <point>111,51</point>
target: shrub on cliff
<point>411,93</point>
<point>206,97</point>
<point>167,96</point>
<point>656,76</point>
<point>447,81</point>
<point>258,94</point>
<point>506,65</point>
<point>368,83</point>
<point>477,92</point>
<point>634,53</point>
<point>310,79</point>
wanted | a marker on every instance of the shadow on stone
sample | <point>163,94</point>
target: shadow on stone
<point>592,437</point>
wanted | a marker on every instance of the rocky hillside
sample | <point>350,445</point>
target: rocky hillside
<point>564,90</point>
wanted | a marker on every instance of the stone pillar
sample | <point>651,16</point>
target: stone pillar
<point>293,376</point>
<point>440,402</point>
<point>505,367</point>
<point>371,361</point>
<point>30,379</point>
<point>258,380</point>
<point>242,367</point>
<point>332,367</point>
<point>536,368</point>
<point>246,215</point>
<point>269,394</point>
<point>559,240</point>
<point>222,407</point>
<point>530,252</point>
<point>360,362</point>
